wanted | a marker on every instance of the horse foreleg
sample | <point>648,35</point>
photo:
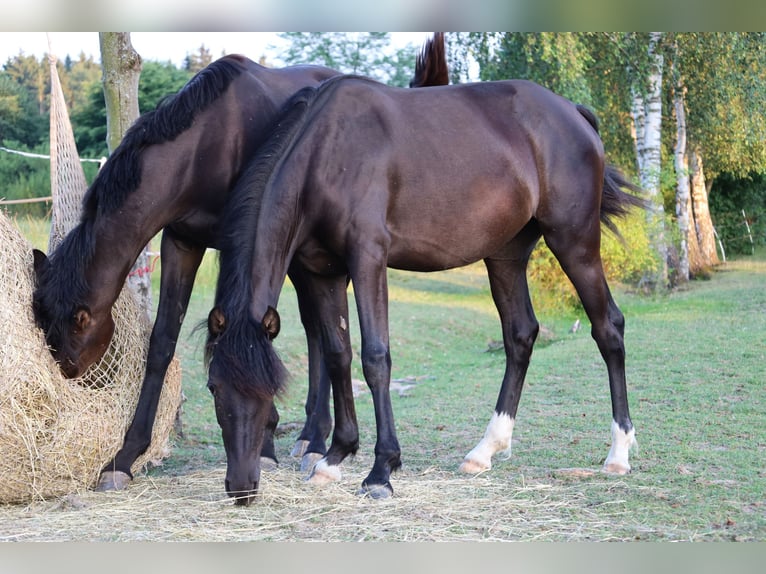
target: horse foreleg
<point>510,293</point>
<point>179,267</point>
<point>371,292</point>
<point>310,444</point>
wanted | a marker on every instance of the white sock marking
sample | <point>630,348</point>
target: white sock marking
<point>497,438</point>
<point>617,459</point>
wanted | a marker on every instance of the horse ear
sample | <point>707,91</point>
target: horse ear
<point>82,318</point>
<point>271,323</point>
<point>216,322</point>
<point>41,262</point>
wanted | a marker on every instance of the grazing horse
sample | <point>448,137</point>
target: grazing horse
<point>173,172</point>
<point>361,177</point>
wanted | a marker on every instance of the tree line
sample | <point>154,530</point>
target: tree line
<point>683,113</point>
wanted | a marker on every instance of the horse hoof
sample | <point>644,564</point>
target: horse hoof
<point>616,468</point>
<point>324,473</point>
<point>376,491</point>
<point>473,467</point>
<point>309,460</point>
<point>268,464</point>
<point>299,449</point>
<point>113,480</point>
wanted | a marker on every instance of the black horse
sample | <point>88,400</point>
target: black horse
<point>173,172</point>
<point>361,176</point>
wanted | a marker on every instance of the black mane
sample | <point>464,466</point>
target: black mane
<point>121,174</point>
<point>245,356</point>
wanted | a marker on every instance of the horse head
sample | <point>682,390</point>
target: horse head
<point>244,377</point>
<point>77,335</point>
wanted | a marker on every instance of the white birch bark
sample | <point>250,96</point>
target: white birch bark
<point>647,117</point>
<point>683,196</point>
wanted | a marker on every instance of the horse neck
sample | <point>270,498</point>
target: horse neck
<point>117,244</point>
<point>275,244</point>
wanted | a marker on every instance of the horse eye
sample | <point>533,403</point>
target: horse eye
<point>211,388</point>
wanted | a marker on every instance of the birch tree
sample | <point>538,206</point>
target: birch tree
<point>121,68</point>
<point>646,111</point>
<point>683,194</point>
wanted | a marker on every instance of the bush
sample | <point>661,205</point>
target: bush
<point>731,196</point>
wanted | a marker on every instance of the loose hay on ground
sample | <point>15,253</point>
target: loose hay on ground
<point>428,506</point>
<point>57,434</point>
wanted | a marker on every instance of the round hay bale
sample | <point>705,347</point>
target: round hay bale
<point>56,434</point>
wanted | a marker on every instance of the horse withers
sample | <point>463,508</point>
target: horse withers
<point>361,177</point>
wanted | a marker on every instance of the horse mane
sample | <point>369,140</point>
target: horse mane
<point>246,358</point>
<point>430,64</point>
<point>121,174</point>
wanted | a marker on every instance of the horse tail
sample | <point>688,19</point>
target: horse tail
<point>615,201</point>
<point>431,64</point>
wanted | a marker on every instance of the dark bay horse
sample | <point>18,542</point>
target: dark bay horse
<point>361,176</point>
<point>173,172</point>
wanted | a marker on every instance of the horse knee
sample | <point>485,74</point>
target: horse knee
<point>376,363</point>
<point>610,339</point>
<point>526,337</point>
<point>337,360</point>
<point>522,340</point>
<point>617,319</point>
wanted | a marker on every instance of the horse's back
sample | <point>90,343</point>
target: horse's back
<point>471,164</point>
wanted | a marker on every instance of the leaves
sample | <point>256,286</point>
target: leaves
<point>364,53</point>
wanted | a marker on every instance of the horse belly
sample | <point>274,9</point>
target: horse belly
<point>435,244</point>
<point>455,227</point>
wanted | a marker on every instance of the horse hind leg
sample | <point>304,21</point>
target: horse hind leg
<point>510,292</point>
<point>580,259</point>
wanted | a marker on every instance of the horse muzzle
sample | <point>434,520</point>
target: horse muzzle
<point>243,495</point>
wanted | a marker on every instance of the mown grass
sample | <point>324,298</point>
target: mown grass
<point>695,376</point>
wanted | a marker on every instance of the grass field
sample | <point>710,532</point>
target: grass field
<point>696,387</point>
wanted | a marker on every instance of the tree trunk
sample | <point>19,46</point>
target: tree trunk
<point>683,195</point>
<point>121,67</point>
<point>647,117</point>
<point>703,223</point>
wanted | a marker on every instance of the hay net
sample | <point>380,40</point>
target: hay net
<point>56,434</point>
<point>68,183</point>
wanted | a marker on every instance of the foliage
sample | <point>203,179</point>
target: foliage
<point>19,120</point>
<point>729,198</point>
<point>364,53</point>
<point>198,60</point>
<point>25,177</point>
<point>725,77</point>
<point>24,128</point>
